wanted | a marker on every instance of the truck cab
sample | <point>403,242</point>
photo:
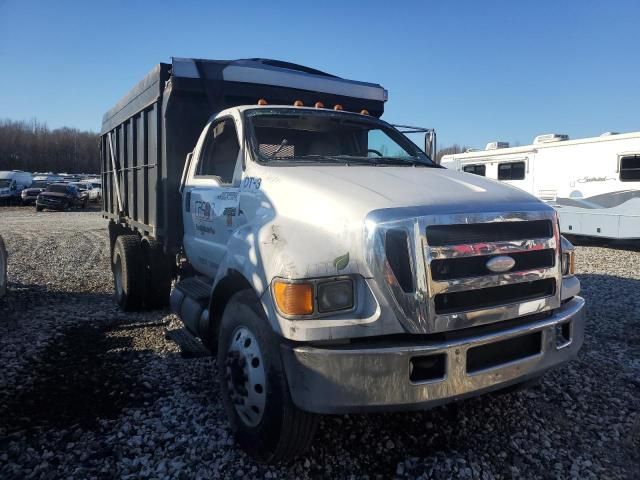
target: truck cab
<point>333,267</point>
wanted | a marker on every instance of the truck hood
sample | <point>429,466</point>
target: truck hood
<point>320,212</point>
<point>55,195</point>
<point>362,189</point>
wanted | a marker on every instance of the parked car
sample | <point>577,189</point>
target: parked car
<point>12,183</point>
<point>3,268</point>
<point>29,195</point>
<point>97,187</point>
<point>61,196</point>
<point>87,188</point>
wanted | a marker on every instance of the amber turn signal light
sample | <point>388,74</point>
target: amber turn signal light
<point>293,298</point>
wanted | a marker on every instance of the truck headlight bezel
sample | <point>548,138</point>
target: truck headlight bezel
<point>567,258</point>
<point>319,297</point>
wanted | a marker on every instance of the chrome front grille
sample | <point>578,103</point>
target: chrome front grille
<point>453,287</point>
<point>463,292</point>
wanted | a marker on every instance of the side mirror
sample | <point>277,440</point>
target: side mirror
<point>430,144</point>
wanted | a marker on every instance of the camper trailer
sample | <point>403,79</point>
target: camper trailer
<point>593,183</point>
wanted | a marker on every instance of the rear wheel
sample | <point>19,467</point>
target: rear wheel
<point>158,274</point>
<point>128,272</point>
<point>254,388</point>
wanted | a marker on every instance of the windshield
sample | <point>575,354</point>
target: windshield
<point>5,183</point>
<point>80,186</point>
<point>96,185</point>
<point>59,188</point>
<point>39,184</point>
<point>286,135</point>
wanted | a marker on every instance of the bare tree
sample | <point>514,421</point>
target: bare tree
<point>455,148</point>
<point>32,146</point>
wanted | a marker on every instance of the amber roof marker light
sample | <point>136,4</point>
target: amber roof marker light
<point>337,107</point>
<point>319,105</point>
<point>364,111</point>
<point>262,102</point>
<point>298,103</point>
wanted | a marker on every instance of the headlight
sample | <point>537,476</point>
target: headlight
<point>318,296</point>
<point>334,296</point>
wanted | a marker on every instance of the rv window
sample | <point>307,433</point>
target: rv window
<point>511,171</point>
<point>476,169</point>
<point>630,168</point>
<point>220,152</point>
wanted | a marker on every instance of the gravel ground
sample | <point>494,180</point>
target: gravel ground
<point>87,391</point>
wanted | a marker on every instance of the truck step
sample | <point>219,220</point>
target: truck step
<point>190,346</point>
<point>197,288</point>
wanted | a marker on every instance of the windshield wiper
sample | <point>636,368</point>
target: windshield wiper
<point>412,162</point>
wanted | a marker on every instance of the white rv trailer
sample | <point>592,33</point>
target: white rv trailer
<point>594,183</point>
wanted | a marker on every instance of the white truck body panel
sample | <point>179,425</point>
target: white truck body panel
<point>580,178</point>
<point>294,221</point>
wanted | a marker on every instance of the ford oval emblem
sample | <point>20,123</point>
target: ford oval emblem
<point>501,264</point>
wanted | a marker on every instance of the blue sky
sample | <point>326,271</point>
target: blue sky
<point>476,71</point>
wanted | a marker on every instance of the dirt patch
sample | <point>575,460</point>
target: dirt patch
<point>82,376</point>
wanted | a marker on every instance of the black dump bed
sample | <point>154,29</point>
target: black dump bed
<point>147,135</point>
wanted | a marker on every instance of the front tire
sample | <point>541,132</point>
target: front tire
<point>254,388</point>
<point>128,272</point>
<point>39,208</point>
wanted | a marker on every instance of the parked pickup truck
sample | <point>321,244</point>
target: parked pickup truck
<point>327,260</point>
<point>61,196</point>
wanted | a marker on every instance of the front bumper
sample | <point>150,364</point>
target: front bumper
<point>377,378</point>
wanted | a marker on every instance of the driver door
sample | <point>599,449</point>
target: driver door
<point>210,195</point>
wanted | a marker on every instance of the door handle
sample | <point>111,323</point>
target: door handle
<point>187,200</point>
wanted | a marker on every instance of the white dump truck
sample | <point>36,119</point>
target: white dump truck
<point>327,260</point>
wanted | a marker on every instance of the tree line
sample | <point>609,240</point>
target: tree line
<point>455,148</point>
<point>34,147</point>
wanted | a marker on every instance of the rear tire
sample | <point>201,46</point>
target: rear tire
<point>128,272</point>
<point>263,417</point>
<point>158,274</point>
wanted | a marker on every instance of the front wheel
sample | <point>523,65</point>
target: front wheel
<point>39,208</point>
<point>254,388</point>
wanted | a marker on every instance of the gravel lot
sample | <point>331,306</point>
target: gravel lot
<point>87,391</point>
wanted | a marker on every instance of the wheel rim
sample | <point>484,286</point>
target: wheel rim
<point>117,276</point>
<point>245,376</point>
